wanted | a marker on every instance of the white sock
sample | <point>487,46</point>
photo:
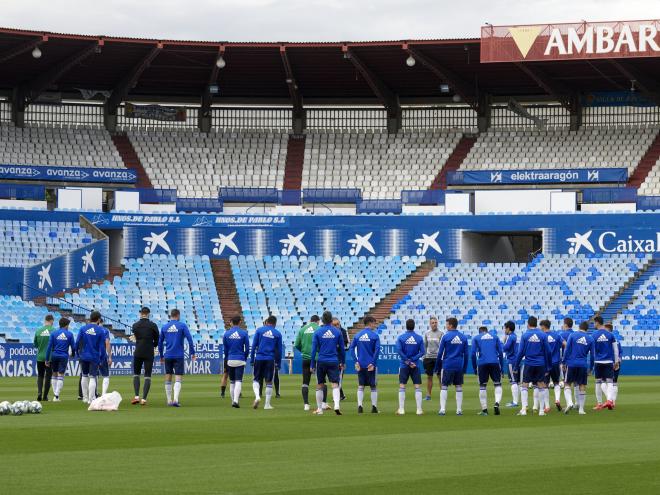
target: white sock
<point>402,399</point>
<point>459,399</point>
<point>483,398</point>
<point>168,391</point>
<point>360,396</point>
<point>576,393</point>
<point>84,385</point>
<point>546,393</point>
<point>335,397</point>
<point>498,393</point>
<point>92,388</point>
<point>255,389</point>
<point>374,397</point>
<point>443,399</point>
<point>603,387</point>
<point>557,393</point>
<point>582,396</point>
<point>568,395</point>
<point>236,393</point>
<point>105,385</point>
<point>524,397</point>
<point>536,398</point>
<point>515,393</point>
<point>418,398</point>
<point>177,390</point>
<point>53,385</point>
<point>609,393</point>
<point>599,392</point>
<point>60,384</point>
<point>615,391</point>
<point>231,390</point>
<point>269,393</point>
<point>319,398</point>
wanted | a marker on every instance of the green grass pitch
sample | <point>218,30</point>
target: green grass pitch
<point>206,447</point>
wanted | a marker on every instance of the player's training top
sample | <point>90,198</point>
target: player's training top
<point>535,349</point>
<point>365,348</point>
<point>606,349</point>
<point>41,337</point>
<point>90,343</point>
<point>304,339</point>
<point>104,354</point>
<point>486,349</point>
<point>267,345</point>
<point>171,341</point>
<point>58,344</point>
<point>327,346</point>
<point>432,343</point>
<point>510,347</point>
<point>236,344</point>
<point>146,336</point>
<point>453,352</point>
<point>410,346</point>
<point>555,342</point>
<point>578,346</point>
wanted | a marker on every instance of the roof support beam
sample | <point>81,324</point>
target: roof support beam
<point>296,97</point>
<point>445,75</point>
<point>22,48</point>
<point>207,97</point>
<point>646,85</point>
<point>130,80</point>
<point>38,85</point>
<point>384,94</point>
<point>554,88</point>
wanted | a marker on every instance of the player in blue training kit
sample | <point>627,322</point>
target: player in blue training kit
<point>607,361</point>
<point>615,380</point>
<point>453,361</point>
<point>236,346</point>
<point>171,347</point>
<point>410,347</point>
<point>265,356</point>
<point>90,346</point>
<point>566,331</point>
<point>106,361</point>
<point>365,348</point>
<point>555,342</point>
<point>510,348</point>
<point>57,354</point>
<point>488,361</point>
<point>535,350</point>
<point>328,356</point>
<point>579,346</point>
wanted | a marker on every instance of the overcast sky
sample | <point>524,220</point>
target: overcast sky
<point>305,20</point>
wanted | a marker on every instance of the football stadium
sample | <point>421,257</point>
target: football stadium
<point>331,267</point>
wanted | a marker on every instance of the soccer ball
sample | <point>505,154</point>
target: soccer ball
<point>25,404</point>
<point>35,407</point>
<point>17,408</point>
<point>5,408</point>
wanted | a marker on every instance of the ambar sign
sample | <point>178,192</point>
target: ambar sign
<point>570,41</point>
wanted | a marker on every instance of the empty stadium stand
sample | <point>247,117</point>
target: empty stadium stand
<point>25,243</point>
<point>58,146</point>
<point>21,318</point>
<point>380,164</point>
<point>638,321</point>
<point>454,161</point>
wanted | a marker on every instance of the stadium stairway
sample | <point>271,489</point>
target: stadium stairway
<point>131,160</point>
<point>454,161</point>
<point>295,157</point>
<point>624,297</point>
<point>225,284</point>
<point>383,308</point>
<point>646,164</point>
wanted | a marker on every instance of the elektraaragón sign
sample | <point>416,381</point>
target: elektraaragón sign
<point>556,176</point>
<point>68,174</point>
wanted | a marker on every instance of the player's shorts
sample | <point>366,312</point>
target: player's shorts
<point>514,375</point>
<point>329,370</point>
<point>306,372</point>
<point>367,378</point>
<point>491,371</point>
<point>174,366</point>
<point>264,369</point>
<point>104,369</point>
<point>58,364</point>
<point>615,378</point>
<point>429,366</point>
<point>406,372</point>
<point>554,375</point>
<point>452,378</point>
<point>236,373</point>
<point>89,368</point>
<point>604,371</point>
<point>576,375</point>
<point>147,363</point>
<point>534,374</point>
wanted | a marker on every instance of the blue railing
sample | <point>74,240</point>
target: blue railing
<point>353,196</point>
<point>249,194</point>
<point>290,197</point>
<point>211,205</point>
<point>610,195</point>
<point>22,191</point>
<point>427,197</point>
<point>155,195</point>
<point>648,202</point>
<point>379,206</point>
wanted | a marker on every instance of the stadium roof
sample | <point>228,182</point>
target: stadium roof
<point>342,72</point>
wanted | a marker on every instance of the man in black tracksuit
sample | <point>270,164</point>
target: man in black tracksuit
<point>337,324</point>
<point>145,333</point>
